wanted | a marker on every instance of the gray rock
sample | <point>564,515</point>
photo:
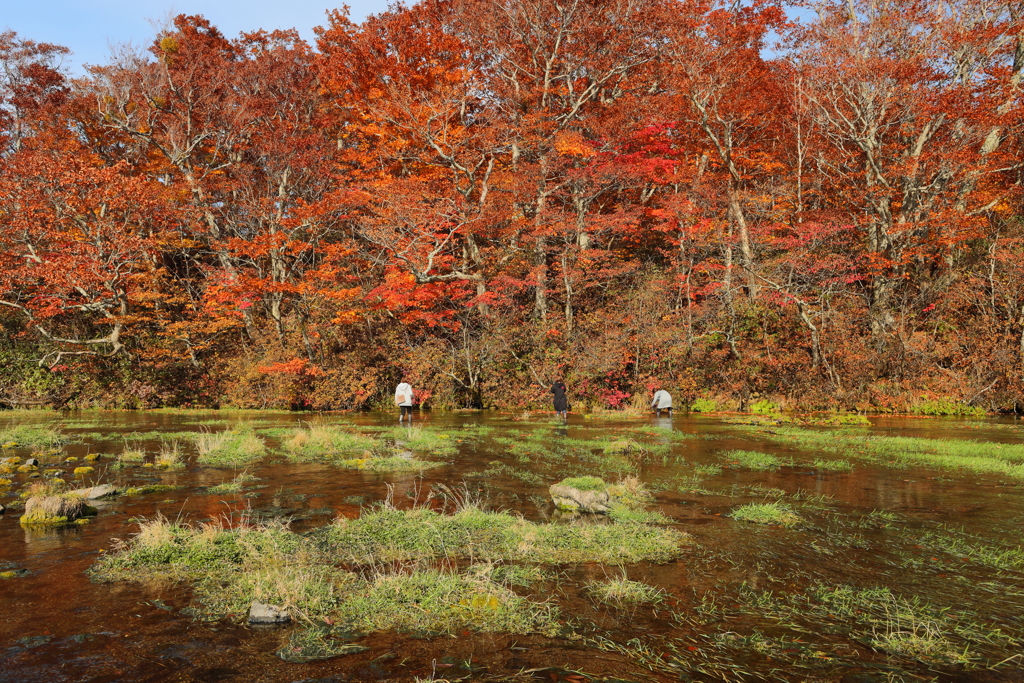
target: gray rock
<point>2,508</point>
<point>32,461</point>
<point>569,498</point>
<point>260,613</point>
<point>95,492</point>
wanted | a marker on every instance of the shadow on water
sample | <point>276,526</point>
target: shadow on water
<point>890,571</point>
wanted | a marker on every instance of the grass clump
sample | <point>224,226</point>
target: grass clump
<point>324,443</point>
<point>385,534</point>
<point>169,457</point>
<point>753,460</point>
<point>431,602</point>
<point>227,448</point>
<point>623,591</point>
<point>179,551</point>
<point>422,439</point>
<point>232,567</point>
<point>766,513</point>
<point>31,436</point>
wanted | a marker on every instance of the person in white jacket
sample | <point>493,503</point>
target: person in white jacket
<point>662,401</point>
<point>403,399</point>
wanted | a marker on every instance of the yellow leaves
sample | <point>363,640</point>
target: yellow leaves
<point>571,143</point>
<point>169,45</point>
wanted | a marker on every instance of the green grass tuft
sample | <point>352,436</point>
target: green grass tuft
<point>234,447</point>
<point>766,513</point>
<point>753,460</point>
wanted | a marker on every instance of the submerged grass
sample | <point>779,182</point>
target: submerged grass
<point>623,591</point>
<point>397,463</point>
<point>753,460</point>
<point>953,454</point>
<point>236,485</point>
<point>833,465</point>
<point>903,626</point>
<point>766,513</point>
<point>973,549</point>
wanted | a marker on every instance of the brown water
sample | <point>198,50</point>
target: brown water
<point>57,625</point>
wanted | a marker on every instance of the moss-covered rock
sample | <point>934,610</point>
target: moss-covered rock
<point>55,510</point>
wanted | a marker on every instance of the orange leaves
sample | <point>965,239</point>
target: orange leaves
<point>298,367</point>
<point>571,143</point>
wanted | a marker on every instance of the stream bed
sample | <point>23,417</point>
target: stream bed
<point>895,553</point>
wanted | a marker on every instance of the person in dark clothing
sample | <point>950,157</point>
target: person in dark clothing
<point>561,402</point>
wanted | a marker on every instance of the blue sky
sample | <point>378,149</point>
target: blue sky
<point>89,27</point>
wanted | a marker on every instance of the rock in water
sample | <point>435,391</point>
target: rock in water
<point>32,462</point>
<point>94,492</point>
<point>54,510</point>
<point>260,613</point>
<point>569,498</point>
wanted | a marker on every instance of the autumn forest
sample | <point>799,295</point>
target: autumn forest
<point>816,205</point>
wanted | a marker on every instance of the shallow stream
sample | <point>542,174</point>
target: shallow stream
<point>899,568</point>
